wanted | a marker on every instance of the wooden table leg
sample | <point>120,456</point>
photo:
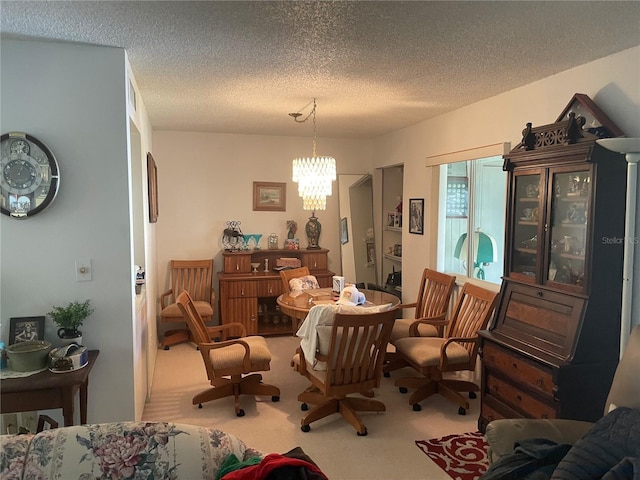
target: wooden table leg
<point>67,405</point>
<point>83,402</point>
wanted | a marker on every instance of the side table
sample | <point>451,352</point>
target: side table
<point>46,390</point>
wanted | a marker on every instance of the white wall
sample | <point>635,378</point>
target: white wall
<point>73,98</point>
<point>206,179</point>
<point>613,83</point>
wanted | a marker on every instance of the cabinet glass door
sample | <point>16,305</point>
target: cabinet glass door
<point>570,207</point>
<point>526,247</point>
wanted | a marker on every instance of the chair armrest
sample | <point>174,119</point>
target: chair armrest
<point>408,305</point>
<point>444,359</point>
<point>223,330</point>
<point>163,298</point>
<point>437,321</point>
<point>502,434</point>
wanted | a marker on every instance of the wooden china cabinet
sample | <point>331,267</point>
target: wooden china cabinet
<point>553,345</point>
<point>250,297</point>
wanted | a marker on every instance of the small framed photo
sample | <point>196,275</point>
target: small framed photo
<point>416,216</point>
<point>269,196</point>
<point>152,183</point>
<point>23,329</point>
<point>371,253</point>
<point>292,244</point>
<point>344,231</point>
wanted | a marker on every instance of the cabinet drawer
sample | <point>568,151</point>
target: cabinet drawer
<point>315,261</point>
<point>270,288</point>
<point>513,396</point>
<point>237,263</point>
<point>516,367</point>
<point>241,289</point>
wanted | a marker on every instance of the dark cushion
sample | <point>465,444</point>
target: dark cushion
<point>609,451</point>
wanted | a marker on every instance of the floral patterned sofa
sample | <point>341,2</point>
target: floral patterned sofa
<point>121,450</point>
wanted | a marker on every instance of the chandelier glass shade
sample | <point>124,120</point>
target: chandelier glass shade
<point>314,174</point>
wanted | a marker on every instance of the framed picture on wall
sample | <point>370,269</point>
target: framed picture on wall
<point>371,253</point>
<point>269,196</point>
<point>152,182</point>
<point>22,329</point>
<point>416,216</point>
<point>344,231</point>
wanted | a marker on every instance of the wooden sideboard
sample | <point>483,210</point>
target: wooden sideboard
<point>250,298</point>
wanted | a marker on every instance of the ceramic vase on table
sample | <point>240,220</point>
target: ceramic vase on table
<point>313,229</point>
<point>68,336</point>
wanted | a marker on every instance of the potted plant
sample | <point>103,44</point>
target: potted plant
<point>70,318</point>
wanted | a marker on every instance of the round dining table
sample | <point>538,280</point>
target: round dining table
<point>298,307</point>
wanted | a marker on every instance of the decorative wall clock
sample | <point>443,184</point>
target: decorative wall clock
<point>29,175</point>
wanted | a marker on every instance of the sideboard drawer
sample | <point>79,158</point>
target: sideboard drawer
<point>518,368</point>
<point>315,261</point>
<point>241,289</point>
<point>270,288</point>
<point>515,397</point>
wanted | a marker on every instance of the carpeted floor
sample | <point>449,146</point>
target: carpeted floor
<point>462,456</point>
<point>388,452</point>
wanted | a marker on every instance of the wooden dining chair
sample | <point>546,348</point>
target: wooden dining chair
<point>196,277</point>
<point>351,351</point>
<point>430,307</point>
<point>458,351</point>
<point>287,275</point>
<point>230,363</point>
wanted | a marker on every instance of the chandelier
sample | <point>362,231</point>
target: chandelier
<point>314,174</point>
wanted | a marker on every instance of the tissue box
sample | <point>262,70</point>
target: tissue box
<point>291,262</point>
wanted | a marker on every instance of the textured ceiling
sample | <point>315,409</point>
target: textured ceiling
<point>375,67</point>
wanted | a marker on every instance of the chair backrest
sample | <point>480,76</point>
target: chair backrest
<point>471,314</point>
<point>194,276</point>
<point>287,275</point>
<point>434,293</point>
<point>195,322</point>
<point>625,388</point>
<point>357,347</point>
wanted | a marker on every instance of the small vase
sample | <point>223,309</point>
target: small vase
<point>68,336</point>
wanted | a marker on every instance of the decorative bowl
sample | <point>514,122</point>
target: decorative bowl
<point>28,356</point>
<point>254,267</point>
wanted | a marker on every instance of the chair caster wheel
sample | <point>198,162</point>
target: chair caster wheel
<point>403,389</point>
<point>166,347</point>
<point>386,374</point>
<point>304,407</point>
<point>362,434</point>
<point>416,407</point>
<point>275,398</point>
<point>472,395</point>
<point>305,428</point>
<point>462,411</point>
<point>240,413</point>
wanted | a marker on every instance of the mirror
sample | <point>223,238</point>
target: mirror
<point>357,242</point>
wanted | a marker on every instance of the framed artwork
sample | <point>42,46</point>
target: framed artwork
<point>416,216</point>
<point>152,180</point>
<point>344,231</point>
<point>26,328</point>
<point>371,253</point>
<point>269,196</point>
